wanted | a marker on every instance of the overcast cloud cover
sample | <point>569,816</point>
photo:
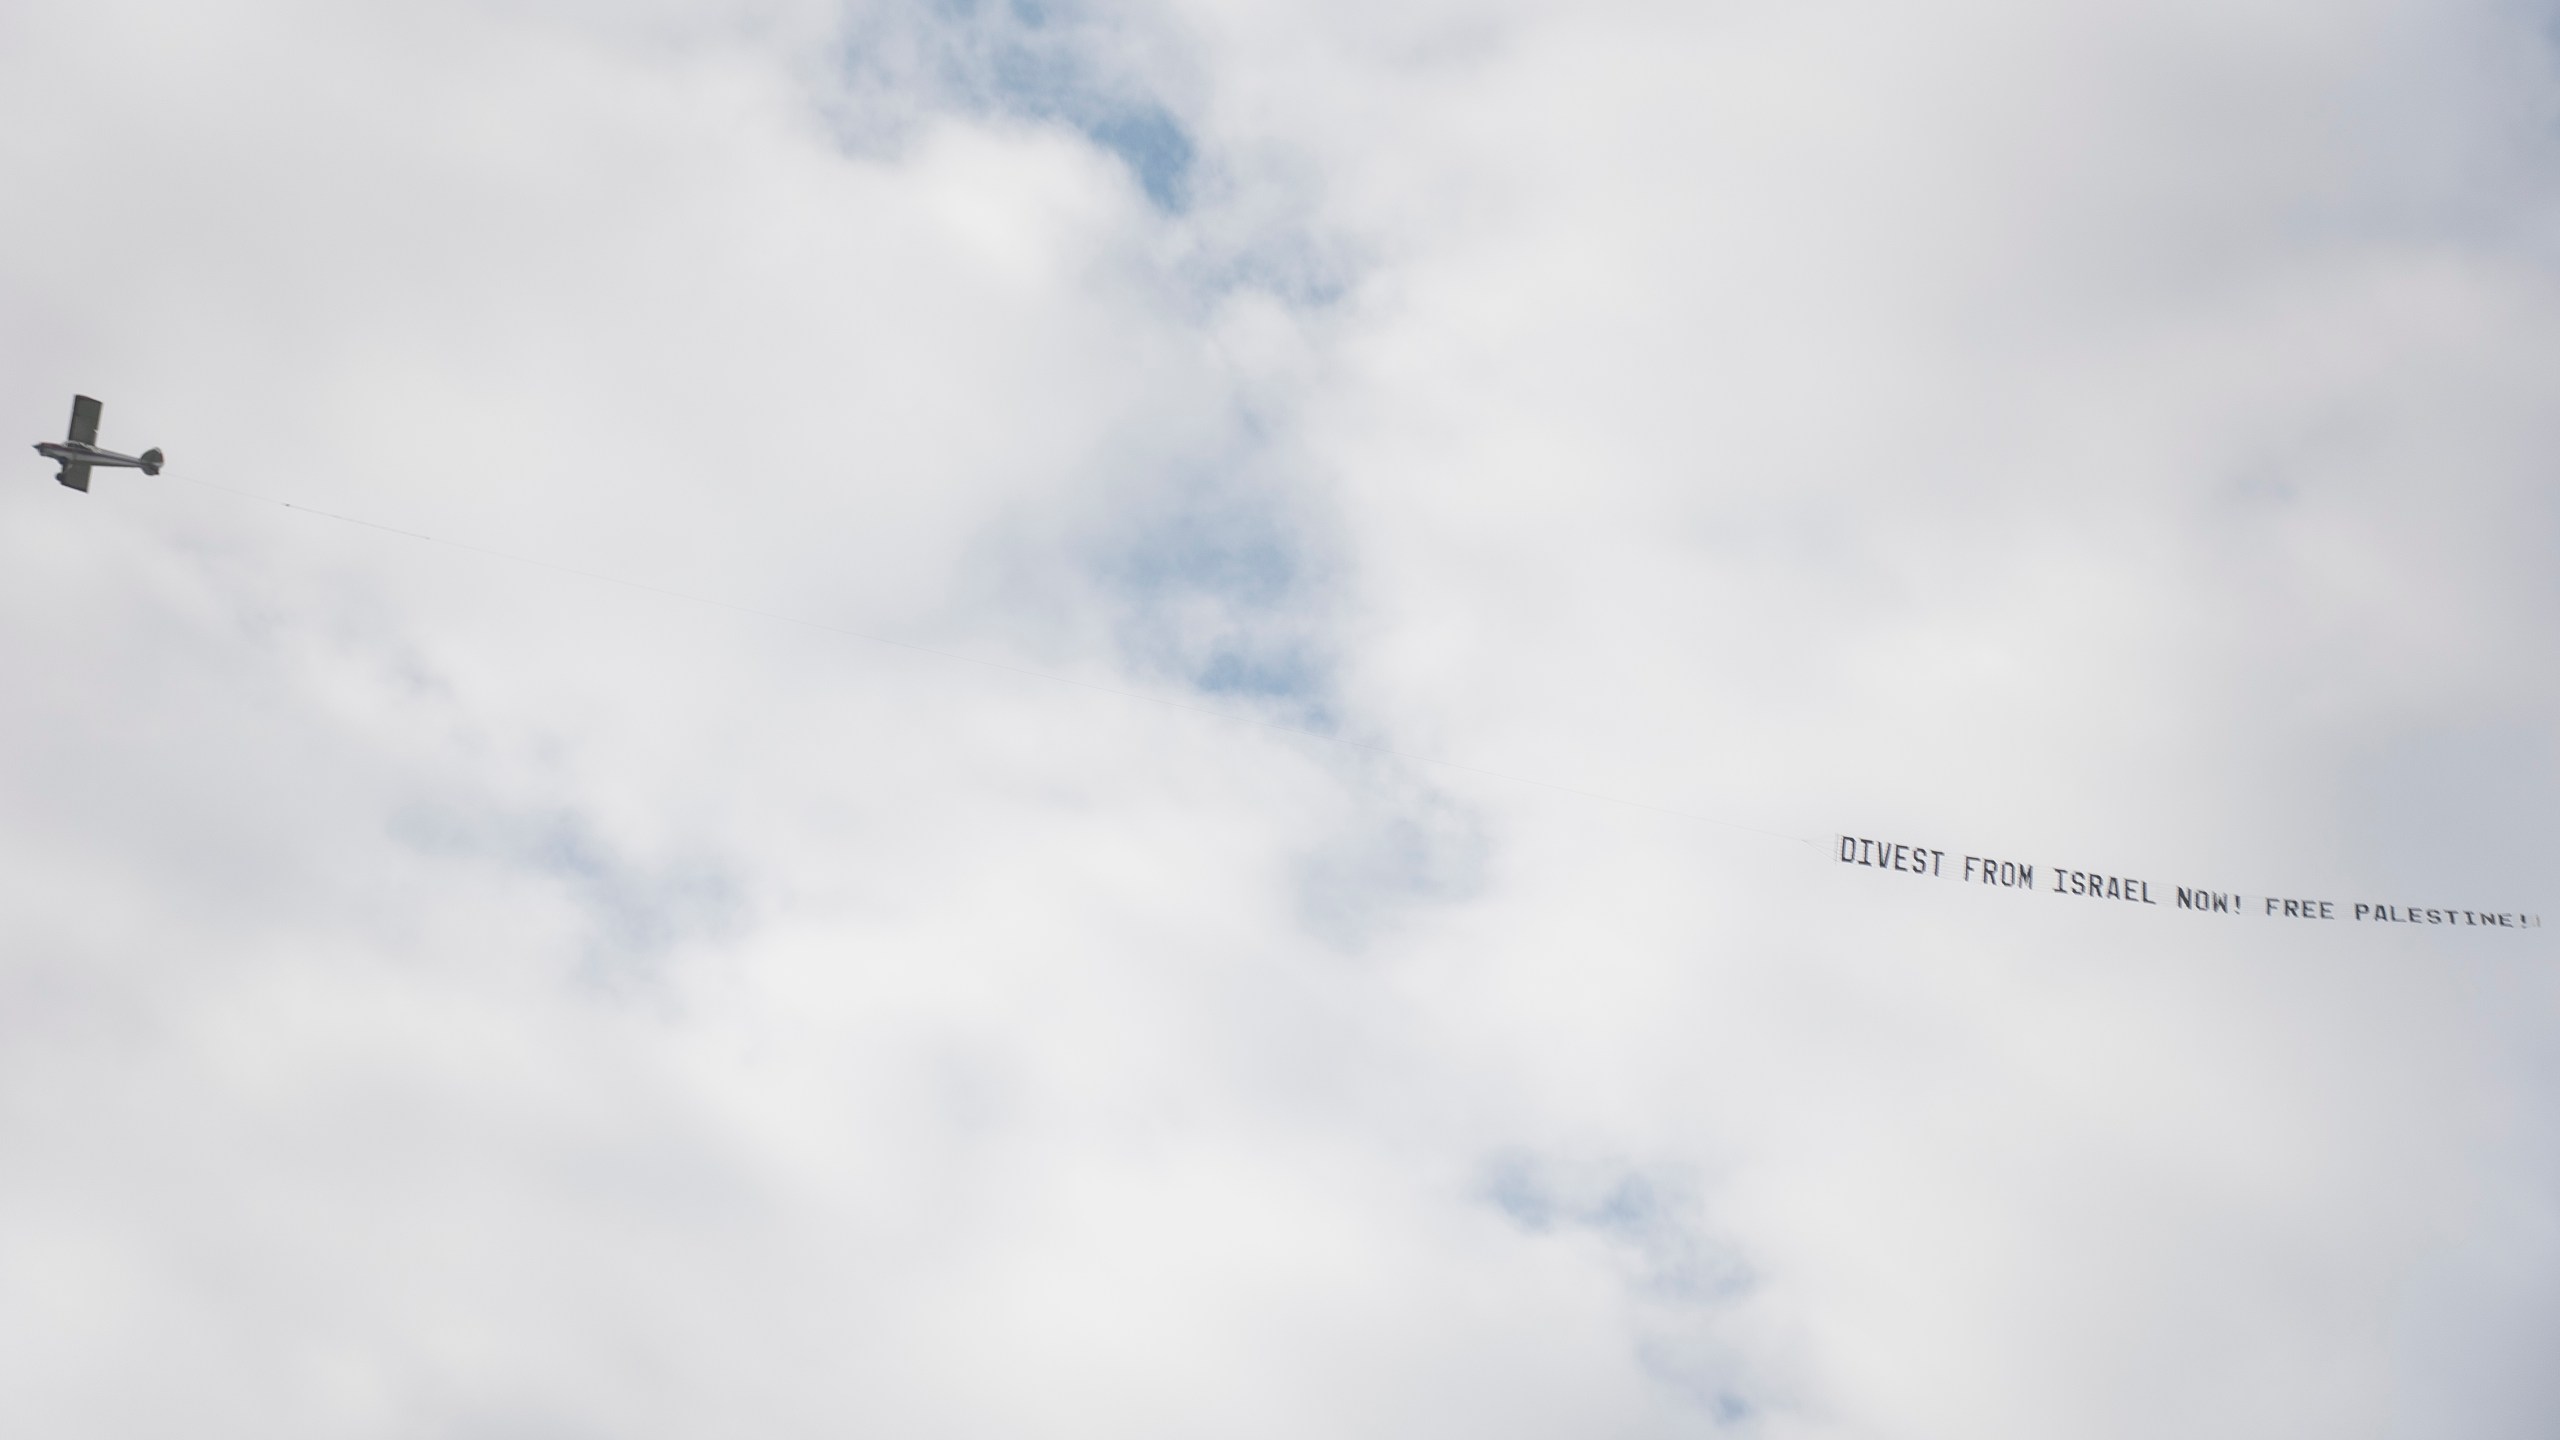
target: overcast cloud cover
<point>441,997</point>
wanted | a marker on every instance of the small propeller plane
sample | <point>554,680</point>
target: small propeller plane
<point>81,451</point>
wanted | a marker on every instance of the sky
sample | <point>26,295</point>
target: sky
<point>1175,759</point>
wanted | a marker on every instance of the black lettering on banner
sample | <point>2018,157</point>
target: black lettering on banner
<point>2007,874</point>
<point>1886,855</point>
<point>1909,859</point>
<point>2383,914</point>
<point>2099,887</point>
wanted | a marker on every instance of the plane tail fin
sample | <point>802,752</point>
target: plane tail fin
<point>151,460</point>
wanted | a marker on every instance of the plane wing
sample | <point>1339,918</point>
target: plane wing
<point>75,476</point>
<point>84,423</point>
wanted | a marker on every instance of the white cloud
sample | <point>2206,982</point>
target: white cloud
<point>447,997</point>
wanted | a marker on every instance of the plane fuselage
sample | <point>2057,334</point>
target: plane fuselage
<point>75,454</point>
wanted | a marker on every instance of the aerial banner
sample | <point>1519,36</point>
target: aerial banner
<point>2024,877</point>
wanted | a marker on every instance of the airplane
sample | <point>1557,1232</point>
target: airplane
<point>81,451</point>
